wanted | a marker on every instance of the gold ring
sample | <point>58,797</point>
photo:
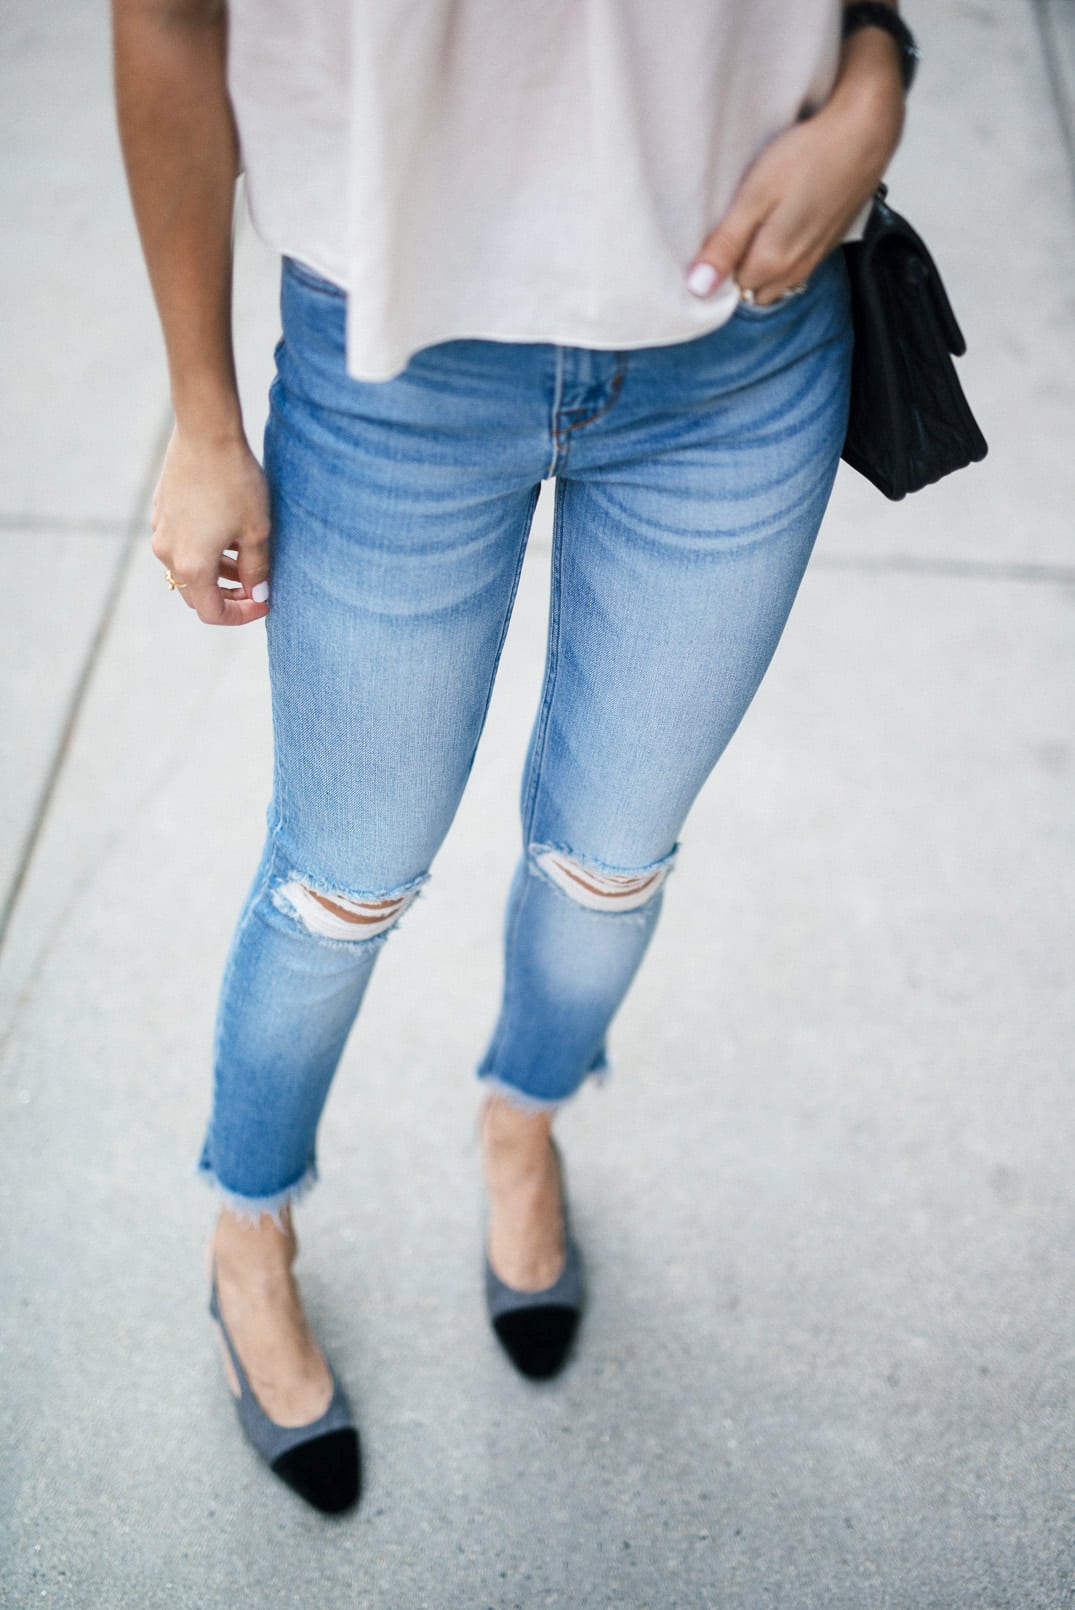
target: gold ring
<point>175,586</point>
<point>747,295</point>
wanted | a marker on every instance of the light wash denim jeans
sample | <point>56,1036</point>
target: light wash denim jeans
<point>691,480</point>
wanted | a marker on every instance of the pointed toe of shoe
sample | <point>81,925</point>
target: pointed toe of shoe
<point>536,1329</point>
<point>321,1462</point>
<point>326,1471</point>
<point>537,1339</point>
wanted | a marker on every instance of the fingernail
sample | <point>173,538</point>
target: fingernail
<point>702,278</point>
<point>260,592</point>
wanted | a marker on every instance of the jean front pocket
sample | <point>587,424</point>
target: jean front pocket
<point>312,281</point>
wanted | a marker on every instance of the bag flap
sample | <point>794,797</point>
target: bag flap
<point>888,237</point>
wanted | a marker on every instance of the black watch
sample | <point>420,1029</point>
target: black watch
<point>872,14</point>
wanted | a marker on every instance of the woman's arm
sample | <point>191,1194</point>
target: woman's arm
<point>798,199</point>
<point>181,153</point>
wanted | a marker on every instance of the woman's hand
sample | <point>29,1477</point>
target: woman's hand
<point>211,504</point>
<point>798,199</point>
<point>181,149</point>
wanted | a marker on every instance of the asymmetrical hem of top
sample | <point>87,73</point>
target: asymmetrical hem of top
<point>465,169</point>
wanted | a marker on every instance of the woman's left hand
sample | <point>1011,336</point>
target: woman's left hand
<point>798,199</point>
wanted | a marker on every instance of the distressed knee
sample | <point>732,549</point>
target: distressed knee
<point>339,916</point>
<point>598,887</point>
<point>366,912</point>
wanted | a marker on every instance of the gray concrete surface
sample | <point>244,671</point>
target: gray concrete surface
<point>826,1197</point>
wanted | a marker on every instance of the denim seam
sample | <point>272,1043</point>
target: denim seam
<point>524,544</point>
<point>507,1005</point>
<point>255,897</point>
<point>615,383</point>
<point>533,781</point>
<point>557,396</point>
<point>534,775</point>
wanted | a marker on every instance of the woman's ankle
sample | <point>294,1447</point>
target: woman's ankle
<point>507,1128</point>
<point>525,1232</point>
<point>258,1251</point>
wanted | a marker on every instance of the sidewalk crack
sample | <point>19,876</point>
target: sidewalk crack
<point>135,529</point>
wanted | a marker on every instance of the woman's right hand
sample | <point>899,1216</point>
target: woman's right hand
<point>211,524</point>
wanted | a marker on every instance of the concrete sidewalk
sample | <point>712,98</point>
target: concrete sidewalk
<point>826,1198</point>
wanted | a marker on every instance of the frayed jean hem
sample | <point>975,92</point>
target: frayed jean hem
<point>493,1085</point>
<point>249,1209</point>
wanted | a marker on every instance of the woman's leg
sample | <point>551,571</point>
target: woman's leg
<point>400,515</point>
<point>686,512</point>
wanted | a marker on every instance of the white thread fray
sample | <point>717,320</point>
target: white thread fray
<point>601,891</point>
<point>251,1209</point>
<point>525,1102</point>
<point>372,917</point>
<point>519,1098</point>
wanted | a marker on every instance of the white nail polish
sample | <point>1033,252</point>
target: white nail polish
<point>701,279</point>
<point>260,592</point>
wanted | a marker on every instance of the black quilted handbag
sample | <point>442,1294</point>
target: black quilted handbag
<point>909,423</point>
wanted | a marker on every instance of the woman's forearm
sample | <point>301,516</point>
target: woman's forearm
<point>181,154</point>
<point>870,79</point>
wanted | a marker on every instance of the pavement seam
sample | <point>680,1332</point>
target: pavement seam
<point>1050,49</point>
<point>965,569</point>
<point>1032,572</point>
<point>135,529</point>
<point>63,525</point>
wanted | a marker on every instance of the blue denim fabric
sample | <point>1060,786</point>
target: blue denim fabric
<point>691,480</point>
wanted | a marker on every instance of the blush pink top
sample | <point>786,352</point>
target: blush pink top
<point>519,170</point>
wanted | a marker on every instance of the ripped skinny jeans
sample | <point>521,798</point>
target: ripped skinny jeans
<point>691,480</point>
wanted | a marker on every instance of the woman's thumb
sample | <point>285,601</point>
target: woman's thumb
<point>253,562</point>
<point>725,248</point>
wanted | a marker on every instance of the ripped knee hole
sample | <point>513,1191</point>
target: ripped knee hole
<point>602,891</point>
<point>336,917</point>
<point>359,910</point>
